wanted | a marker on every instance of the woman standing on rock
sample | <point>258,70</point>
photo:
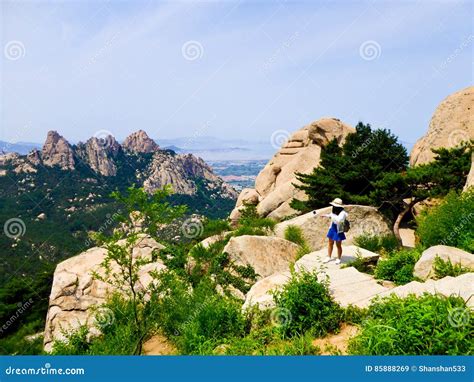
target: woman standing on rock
<point>336,234</point>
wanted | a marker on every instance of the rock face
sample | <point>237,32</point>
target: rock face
<point>462,286</point>
<point>99,154</point>
<point>140,142</point>
<point>180,171</point>
<point>363,219</point>
<point>451,124</point>
<point>267,255</point>
<point>76,295</point>
<point>274,187</point>
<point>57,152</point>
<point>424,268</point>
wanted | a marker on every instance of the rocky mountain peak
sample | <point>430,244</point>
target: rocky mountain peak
<point>451,124</point>
<point>100,153</point>
<point>57,152</point>
<point>140,142</point>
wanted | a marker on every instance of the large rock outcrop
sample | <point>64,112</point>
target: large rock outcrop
<point>348,286</point>
<point>76,294</point>
<point>363,219</point>
<point>140,142</point>
<point>451,124</point>
<point>274,189</point>
<point>99,154</point>
<point>424,268</point>
<point>57,152</point>
<point>180,171</point>
<point>267,255</point>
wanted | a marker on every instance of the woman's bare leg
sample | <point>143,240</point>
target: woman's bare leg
<point>330,247</point>
<point>339,249</point>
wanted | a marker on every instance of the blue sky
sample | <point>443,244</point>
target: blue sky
<point>230,69</point>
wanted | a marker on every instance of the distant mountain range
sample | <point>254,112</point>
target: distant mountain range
<point>208,148</point>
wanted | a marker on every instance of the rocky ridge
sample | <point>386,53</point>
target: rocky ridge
<point>274,185</point>
<point>105,156</point>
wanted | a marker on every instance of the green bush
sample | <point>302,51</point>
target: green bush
<point>214,227</point>
<point>295,235</point>
<point>447,268</point>
<point>398,266</point>
<point>375,243</point>
<point>213,321</point>
<point>427,325</point>
<point>450,223</point>
<point>251,223</point>
<point>305,304</point>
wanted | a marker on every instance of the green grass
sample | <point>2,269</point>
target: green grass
<point>427,325</point>
<point>450,223</point>
<point>378,244</point>
<point>295,235</point>
<point>444,268</point>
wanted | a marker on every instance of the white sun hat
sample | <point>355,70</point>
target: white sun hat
<point>337,203</point>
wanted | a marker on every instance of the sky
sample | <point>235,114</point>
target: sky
<point>228,69</point>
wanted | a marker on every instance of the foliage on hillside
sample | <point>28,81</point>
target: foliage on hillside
<point>428,325</point>
<point>450,223</point>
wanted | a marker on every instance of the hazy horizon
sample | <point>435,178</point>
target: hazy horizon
<point>231,70</point>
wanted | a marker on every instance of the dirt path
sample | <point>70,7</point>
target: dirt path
<point>159,345</point>
<point>336,343</point>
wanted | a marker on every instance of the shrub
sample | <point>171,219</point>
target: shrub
<point>427,325</point>
<point>447,268</point>
<point>306,304</point>
<point>295,235</point>
<point>398,266</point>
<point>251,223</point>
<point>214,227</point>
<point>450,223</point>
<point>213,321</point>
<point>375,243</point>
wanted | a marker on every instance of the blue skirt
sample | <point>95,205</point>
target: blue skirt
<point>332,233</point>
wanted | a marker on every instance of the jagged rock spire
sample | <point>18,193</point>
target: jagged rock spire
<point>140,142</point>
